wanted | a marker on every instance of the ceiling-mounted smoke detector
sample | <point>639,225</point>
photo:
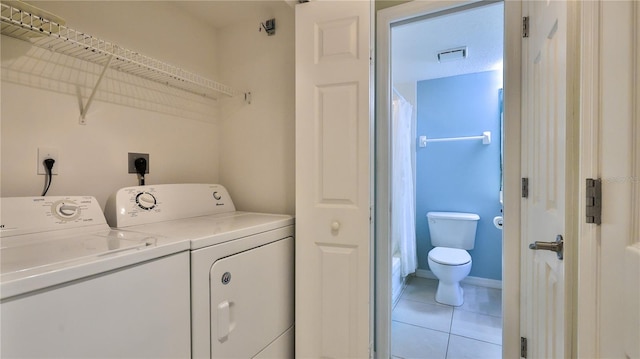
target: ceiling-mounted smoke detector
<point>458,53</point>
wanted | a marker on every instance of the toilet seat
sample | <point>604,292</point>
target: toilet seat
<point>449,256</point>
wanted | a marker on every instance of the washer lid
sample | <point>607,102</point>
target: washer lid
<point>449,256</point>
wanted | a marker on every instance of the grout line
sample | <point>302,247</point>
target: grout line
<point>421,327</point>
<point>476,339</point>
<point>476,312</point>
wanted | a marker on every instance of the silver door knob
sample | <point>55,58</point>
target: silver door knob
<point>556,246</point>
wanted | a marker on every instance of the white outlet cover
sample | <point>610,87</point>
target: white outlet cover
<point>43,154</point>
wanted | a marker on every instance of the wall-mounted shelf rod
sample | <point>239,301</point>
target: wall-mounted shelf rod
<point>485,137</point>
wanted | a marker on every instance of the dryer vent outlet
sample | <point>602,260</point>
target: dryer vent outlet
<point>131,159</point>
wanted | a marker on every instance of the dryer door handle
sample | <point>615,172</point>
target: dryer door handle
<point>223,321</point>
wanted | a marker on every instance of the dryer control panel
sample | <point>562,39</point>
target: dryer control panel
<point>138,205</point>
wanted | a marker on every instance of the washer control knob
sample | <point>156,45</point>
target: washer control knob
<point>65,210</point>
<point>217,196</point>
<point>146,200</point>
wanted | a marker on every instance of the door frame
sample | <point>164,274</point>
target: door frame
<point>594,20</point>
<point>511,230</point>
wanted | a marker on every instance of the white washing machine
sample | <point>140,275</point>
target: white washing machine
<point>70,287</point>
<point>242,265</point>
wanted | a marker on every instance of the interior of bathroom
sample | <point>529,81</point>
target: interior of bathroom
<point>447,157</point>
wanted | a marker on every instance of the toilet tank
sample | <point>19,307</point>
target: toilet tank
<point>453,229</point>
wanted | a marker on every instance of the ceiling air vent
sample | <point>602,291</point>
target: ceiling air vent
<point>458,53</point>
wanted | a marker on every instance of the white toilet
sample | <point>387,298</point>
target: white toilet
<point>452,234</point>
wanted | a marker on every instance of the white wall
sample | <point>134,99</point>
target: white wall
<point>39,106</point>
<point>258,140</point>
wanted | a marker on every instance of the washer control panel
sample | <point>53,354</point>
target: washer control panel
<point>21,215</point>
<point>156,203</point>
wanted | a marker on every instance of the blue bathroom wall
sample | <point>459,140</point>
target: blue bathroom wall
<point>461,176</point>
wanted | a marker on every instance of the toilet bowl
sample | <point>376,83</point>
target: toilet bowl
<point>450,266</point>
<point>452,234</point>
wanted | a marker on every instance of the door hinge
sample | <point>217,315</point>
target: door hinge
<point>523,347</point>
<point>525,26</point>
<point>594,201</point>
<point>525,187</point>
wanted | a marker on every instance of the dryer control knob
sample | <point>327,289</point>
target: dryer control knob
<point>217,196</point>
<point>146,200</point>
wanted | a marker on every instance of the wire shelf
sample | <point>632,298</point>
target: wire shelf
<point>56,37</point>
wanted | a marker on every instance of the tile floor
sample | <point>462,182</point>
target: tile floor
<point>423,328</point>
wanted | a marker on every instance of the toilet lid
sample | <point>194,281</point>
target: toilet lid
<point>449,256</point>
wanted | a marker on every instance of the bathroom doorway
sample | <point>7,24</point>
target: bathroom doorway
<point>446,79</point>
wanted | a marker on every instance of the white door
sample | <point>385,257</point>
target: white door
<point>333,174</point>
<point>544,212</point>
<point>618,237</point>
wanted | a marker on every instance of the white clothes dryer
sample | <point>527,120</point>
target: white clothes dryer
<point>70,287</point>
<point>242,265</point>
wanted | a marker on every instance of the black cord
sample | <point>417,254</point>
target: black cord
<point>141,168</point>
<point>48,165</point>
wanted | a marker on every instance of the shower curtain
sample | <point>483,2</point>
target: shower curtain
<point>402,201</point>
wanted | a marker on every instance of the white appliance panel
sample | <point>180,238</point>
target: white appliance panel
<point>46,241</point>
<point>252,299</point>
<point>201,302</point>
<point>29,254</point>
<point>24,215</point>
<point>141,311</point>
<point>258,305</point>
<point>211,230</point>
<point>156,203</point>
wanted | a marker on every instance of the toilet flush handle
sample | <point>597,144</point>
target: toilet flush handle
<point>556,246</point>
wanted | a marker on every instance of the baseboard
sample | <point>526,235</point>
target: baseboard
<point>480,282</point>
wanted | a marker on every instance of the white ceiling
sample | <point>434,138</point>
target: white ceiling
<point>416,44</point>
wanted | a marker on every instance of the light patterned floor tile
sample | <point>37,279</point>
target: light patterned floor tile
<point>411,342</point>
<point>465,348</point>
<point>482,300</point>
<point>431,316</point>
<point>477,326</point>
<point>421,290</point>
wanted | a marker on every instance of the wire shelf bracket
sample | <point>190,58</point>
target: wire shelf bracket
<point>85,108</point>
<point>56,37</point>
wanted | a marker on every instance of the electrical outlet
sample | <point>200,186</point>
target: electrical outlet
<point>43,154</point>
<point>132,158</point>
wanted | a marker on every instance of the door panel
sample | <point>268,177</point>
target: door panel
<point>544,217</point>
<point>333,245</point>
